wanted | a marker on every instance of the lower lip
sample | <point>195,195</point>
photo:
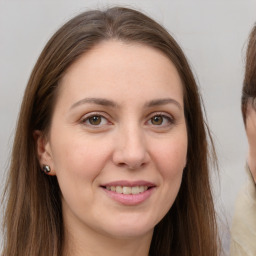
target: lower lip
<point>130,199</point>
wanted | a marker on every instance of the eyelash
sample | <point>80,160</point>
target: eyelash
<point>165,118</point>
<point>86,119</point>
<point>169,119</point>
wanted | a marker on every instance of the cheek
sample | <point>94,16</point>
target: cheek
<point>171,161</point>
<point>78,158</point>
<point>171,156</point>
<point>78,163</point>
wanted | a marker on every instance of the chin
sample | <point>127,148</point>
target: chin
<point>130,230</point>
<point>131,234</point>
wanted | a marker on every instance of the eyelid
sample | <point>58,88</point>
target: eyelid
<point>168,116</point>
<point>160,113</point>
<point>104,115</point>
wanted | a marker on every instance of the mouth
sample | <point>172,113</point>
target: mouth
<point>129,193</point>
<point>128,190</point>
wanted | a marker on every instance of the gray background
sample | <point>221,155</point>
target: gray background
<point>213,36</point>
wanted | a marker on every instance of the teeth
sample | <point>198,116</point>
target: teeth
<point>119,189</point>
<point>135,190</point>
<point>127,190</point>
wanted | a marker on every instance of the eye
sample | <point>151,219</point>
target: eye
<point>157,120</point>
<point>95,120</point>
<point>161,120</point>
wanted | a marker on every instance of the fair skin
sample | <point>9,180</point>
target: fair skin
<point>251,135</point>
<point>118,146</point>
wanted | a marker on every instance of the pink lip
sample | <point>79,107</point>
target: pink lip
<point>130,199</point>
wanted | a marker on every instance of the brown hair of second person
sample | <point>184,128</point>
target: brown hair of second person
<point>249,85</point>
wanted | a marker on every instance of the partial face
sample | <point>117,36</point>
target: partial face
<point>251,135</point>
<point>118,140</point>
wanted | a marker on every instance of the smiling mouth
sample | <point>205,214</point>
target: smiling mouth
<point>129,193</point>
<point>127,190</point>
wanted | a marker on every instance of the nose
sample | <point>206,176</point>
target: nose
<point>131,149</point>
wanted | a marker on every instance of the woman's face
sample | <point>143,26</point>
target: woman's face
<point>118,140</point>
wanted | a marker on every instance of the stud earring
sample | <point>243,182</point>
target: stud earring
<point>46,169</point>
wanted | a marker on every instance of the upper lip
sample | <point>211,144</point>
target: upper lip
<point>126,183</point>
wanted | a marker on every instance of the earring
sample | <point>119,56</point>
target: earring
<point>46,169</point>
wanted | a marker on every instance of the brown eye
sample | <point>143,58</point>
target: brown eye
<point>94,120</point>
<point>157,120</point>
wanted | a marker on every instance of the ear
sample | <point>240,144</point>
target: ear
<point>44,153</point>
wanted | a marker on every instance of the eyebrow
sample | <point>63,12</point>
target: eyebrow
<point>159,102</point>
<point>97,101</point>
<point>109,103</point>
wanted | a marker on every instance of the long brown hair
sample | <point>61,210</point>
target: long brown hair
<point>33,217</point>
<point>249,85</point>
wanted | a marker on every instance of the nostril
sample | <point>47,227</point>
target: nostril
<point>121,164</point>
<point>129,166</point>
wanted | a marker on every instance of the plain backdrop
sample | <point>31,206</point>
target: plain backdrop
<point>213,35</point>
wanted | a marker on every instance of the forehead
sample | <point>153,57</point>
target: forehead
<point>114,66</point>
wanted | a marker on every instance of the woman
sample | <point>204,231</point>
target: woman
<point>112,116</point>
<point>243,233</point>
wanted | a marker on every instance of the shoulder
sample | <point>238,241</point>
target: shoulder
<point>243,231</point>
